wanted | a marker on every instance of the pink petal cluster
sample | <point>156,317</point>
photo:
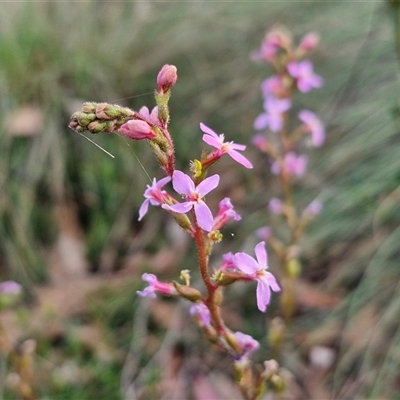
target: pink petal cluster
<point>256,269</point>
<point>247,343</point>
<point>230,148</point>
<point>264,233</point>
<point>260,141</point>
<point>225,213</point>
<point>154,195</point>
<point>202,313</point>
<point>272,43</point>
<point>155,286</point>
<point>273,86</point>
<point>314,208</point>
<point>228,262</point>
<point>194,195</point>
<point>292,164</point>
<point>276,206</point>
<point>10,288</point>
<point>272,118</point>
<point>314,126</point>
<point>150,117</point>
<point>304,74</point>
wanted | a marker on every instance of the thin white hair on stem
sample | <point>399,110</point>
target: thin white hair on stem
<point>130,97</point>
<point>97,145</point>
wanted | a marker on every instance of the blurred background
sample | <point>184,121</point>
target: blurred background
<point>69,231</point>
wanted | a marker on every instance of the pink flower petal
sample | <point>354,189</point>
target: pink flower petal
<point>182,183</point>
<point>204,216</point>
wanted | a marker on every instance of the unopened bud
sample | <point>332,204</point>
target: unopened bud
<point>309,42</point>
<point>293,268</point>
<point>137,130</point>
<point>89,107</point>
<point>187,292</point>
<point>97,126</point>
<point>276,332</point>
<point>166,78</point>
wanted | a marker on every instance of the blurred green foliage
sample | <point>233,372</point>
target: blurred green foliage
<point>54,55</point>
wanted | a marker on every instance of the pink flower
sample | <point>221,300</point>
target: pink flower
<point>272,86</point>
<point>137,130</point>
<point>247,343</point>
<point>274,40</point>
<point>314,208</point>
<point>276,206</point>
<point>257,270</point>
<point>202,313</point>
<point>225,213</point>
<point>273,115</point>
<point>230,148</point>
<point>155,286</point>
<point>314,126</point>
<point>10,288</point>
<point>305,77</point>
<point>264,233</point>
<point>260,141</point>
<point>228,262</point>
<point>292,164</point>
<point>150,117</point>
<point>184,185</point>
<point>154,195</point>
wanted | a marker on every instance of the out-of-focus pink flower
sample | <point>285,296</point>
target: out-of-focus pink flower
<point>155,286</point>
<point>264,233</point>
<point>184,185</point>
<point>256,269</point>
<point>273,115</point>
<point>221,147</point>
<point>304,74</point>
<point>225,213</point>
<point>273,41</point>
<point>309,42</point>
<point>314,208</point>
<point>276,206</point>
<point>10,288</point>
<point>202,313</point>
<point>260,141</point>
<point>154,195</point>
<point>137,130</point>
<point>273,86</point>
<point>314,126</point>
<point>247,343</point>
<point>292,164</point>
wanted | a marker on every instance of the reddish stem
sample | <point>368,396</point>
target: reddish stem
<point>211,287</point>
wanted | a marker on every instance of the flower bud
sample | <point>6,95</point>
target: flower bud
<point>276,332</point>
<point>293,268</point>
<point>166,78</point>
<point>88,107</point>
<point>309,42</point>
<point>137,130</point>
<point>187,292</point>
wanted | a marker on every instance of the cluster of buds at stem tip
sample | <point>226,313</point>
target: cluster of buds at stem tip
<point>100,117</point>
<point>152,126</point>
